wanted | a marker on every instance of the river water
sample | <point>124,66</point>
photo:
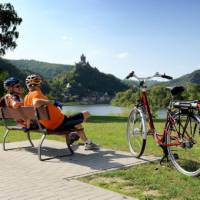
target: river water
<point>99,109</point>
<point>105,109</point>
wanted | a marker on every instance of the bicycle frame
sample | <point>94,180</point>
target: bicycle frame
<point>159,138</point>
<point>144,100</point>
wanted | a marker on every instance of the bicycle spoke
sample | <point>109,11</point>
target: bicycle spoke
<point>135,133</point>
<point>185,155</point>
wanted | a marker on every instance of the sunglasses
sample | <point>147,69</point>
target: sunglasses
<point>17,86</point>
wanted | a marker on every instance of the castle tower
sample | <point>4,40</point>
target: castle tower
<point>83,59</point>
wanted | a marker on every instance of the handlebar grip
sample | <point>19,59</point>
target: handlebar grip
<point>166,77</point>
<point>130,75</point>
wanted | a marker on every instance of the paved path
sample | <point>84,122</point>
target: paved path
<point>24,177</point>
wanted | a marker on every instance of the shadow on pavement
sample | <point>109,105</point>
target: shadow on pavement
<point>97,160</point>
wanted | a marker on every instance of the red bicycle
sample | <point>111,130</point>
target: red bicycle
<point>180,137</point>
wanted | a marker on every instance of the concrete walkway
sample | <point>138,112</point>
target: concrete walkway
<point>24,177</point>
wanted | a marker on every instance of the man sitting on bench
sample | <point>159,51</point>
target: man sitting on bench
<point>58,121</point>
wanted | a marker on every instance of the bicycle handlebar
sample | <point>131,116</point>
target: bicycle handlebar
<point>132,74</point>
<point>166,77</point>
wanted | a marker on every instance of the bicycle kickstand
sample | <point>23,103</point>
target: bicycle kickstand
<point>165,155</point>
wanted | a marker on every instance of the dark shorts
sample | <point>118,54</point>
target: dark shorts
<point>71,121</point>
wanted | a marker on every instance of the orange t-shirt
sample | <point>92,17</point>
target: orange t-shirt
<point>56,116</point>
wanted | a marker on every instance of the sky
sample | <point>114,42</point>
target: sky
<point>116,36</point>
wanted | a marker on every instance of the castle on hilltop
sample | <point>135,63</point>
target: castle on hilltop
<point>82,61</point>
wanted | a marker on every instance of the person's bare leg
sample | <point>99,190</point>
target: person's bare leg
<point>89,145</point>
<point>81,133</point>
<point>86,115</point>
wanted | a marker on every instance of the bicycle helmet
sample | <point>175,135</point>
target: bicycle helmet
<point>33,80</point>
<point>10,82</point>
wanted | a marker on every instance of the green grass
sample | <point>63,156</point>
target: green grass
<point>145,181</point>
<point>148,181</point>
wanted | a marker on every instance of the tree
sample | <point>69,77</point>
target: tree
<point>9,21</point>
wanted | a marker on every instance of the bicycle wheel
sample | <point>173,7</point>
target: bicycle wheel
<point>136,132</point>
<point>185,154</point>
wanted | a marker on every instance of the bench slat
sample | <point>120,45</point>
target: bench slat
<point>24,112</point>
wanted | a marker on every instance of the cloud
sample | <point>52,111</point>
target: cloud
<point>122,55</point>
<point>66,38</point>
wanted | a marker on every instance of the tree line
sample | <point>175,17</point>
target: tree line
<point>158,96</point>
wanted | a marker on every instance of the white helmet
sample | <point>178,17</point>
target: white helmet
<point>33,80</point>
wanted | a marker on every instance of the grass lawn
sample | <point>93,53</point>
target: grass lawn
<point>146,181</point>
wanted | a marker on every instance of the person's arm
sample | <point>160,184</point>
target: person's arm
<point>11,102</point>
<point>41,102</point>
<point>17,104</point>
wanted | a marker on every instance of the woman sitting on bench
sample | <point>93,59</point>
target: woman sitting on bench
<point>14,96</point>
<point>14,99</point>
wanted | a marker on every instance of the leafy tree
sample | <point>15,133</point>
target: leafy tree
<point>127,98</point>
<point>158,96</point>
<point>9,21</point>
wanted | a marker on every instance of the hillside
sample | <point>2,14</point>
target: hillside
<point>7,69</point>
<point>10,70</point>
<point>47,70</point>
<point>88,84</point>
<point>186,79</point>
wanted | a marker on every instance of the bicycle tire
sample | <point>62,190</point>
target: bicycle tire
<point>185,156</point>
<point>136,132</point>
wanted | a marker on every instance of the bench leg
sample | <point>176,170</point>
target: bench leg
<point>29,138</point>
<point>6,135</point>
<point>40,147</point>
<point>49,158</point>
<point>4,139</point>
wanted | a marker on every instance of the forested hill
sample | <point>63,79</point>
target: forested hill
<point>92,79</point>
<point>7,70</point>
<point>193,77</point>
<point>87,84</point>
<point>47,70</point>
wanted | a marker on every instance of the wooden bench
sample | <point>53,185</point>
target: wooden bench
<point>29,113</point>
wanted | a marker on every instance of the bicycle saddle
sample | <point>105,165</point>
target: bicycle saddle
<point>176,90</point>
